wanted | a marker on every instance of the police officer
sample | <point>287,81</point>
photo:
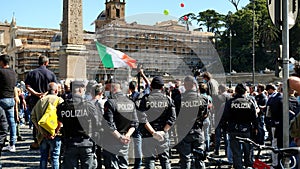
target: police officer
<point>79,117</point>
<point>193,108</point>
<point>121,122</point>
<point>240,113</point>
<point>158,116</point>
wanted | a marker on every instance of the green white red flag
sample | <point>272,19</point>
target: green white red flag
<point>112,58</point>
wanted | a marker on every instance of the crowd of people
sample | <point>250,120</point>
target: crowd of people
<point>97,121</point>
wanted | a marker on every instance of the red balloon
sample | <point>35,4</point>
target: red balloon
<point>185,18</point>
<point>182,5</point>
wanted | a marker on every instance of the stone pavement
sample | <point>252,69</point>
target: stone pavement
<point>24,158</point>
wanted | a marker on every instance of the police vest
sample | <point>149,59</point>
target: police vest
<point>79,119</point>
<point>193,109</point>
<point>157,106</point>
<point>124,112</point>
<point>242,110</point>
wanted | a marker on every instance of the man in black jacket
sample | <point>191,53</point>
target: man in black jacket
<point>275,113</point>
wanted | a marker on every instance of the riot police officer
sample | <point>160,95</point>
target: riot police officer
<point>193,108</point>
<point>79,117</point>
<point>121,122</point>
<point>158,116</point>
<point>240,113</point>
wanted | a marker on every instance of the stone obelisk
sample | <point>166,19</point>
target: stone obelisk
<point>72,60</point>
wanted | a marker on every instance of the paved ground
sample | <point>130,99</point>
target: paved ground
<point>29,159</point>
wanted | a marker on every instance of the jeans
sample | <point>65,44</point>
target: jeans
<point>239,148</point>
<point>137,141</point>
<point>228,150</point>
<point>153,148</point>
<point>113,161</point>
<point>86,155</point>
<point>8,105</point>
<point>185,150</point>
<point>206,126</point>
<point>54,147</point>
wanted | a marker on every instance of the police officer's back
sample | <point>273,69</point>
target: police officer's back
<point>240,113</point>
<point>159,115</point>
<point>193,108</point>
<point>79,117</point>
<point>120,122</point>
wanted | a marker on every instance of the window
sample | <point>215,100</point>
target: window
<point>174,50</point>
<point>136,48</point>
<point>116,47</point>
<point>1,36</point>
<point>29,41</point>
<point>126,48</point>
<point>118,13</point>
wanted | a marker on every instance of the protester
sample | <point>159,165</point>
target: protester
<point>97,99</point>
<point>7,98</point>
<point>261,100</point>
<point>135,96</point>
<point>37,82</point>
<point>220,130</point>
<point>3,130</point>
<point>275,113</point>
<point>50,145</point>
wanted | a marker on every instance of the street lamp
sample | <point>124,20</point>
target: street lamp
<point>230,57</point>
<point>253,44</point>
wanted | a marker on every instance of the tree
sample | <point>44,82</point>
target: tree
<point>188,21</point>
<point>212,20</point>
<point>235,3</point>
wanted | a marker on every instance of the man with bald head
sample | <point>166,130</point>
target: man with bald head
<point>191,111</point>
<point>47,141</point>
<point>120,123</point>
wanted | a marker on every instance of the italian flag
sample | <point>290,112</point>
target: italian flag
<point>112,58</point>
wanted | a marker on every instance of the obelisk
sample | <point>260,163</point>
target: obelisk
<point>72,60</point>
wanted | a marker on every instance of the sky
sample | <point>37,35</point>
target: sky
<point>48,13</point>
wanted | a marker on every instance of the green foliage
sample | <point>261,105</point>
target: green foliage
<point>237,27</point>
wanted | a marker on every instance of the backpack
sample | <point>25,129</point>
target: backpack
<point>295,126</point>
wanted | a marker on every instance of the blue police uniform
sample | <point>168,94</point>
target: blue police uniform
<point>241,116</point>
<point>120,114</point>
<point>193,108</point>
<point>158,109</point>
<point>79,118</point>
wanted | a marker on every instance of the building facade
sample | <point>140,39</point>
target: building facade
<point>165,48</point>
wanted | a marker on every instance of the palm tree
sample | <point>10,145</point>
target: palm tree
<point>187,20</point>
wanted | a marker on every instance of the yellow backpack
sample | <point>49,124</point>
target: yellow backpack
<point>49,119</point>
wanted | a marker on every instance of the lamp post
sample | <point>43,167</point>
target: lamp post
<point>230,56</point>
<point>253,44</point>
